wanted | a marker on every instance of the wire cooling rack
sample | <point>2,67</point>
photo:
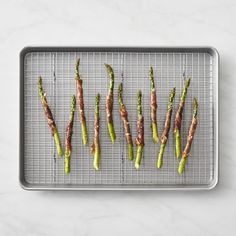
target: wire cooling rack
<point>40,166</point>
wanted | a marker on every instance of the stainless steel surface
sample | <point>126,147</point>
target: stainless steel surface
<point>41,169</point>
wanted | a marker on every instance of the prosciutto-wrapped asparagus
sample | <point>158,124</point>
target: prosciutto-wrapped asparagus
<point>124,117</point>
<point>109,104</point>
<point>191,133</point>
<point>178,119</point>
<point>69,132</point>
<point>80,97</point>
<point>153,105</point>
<point>165,134</point>
<point>95,147</point>
<point>140,131</point>
<point>49,116</point>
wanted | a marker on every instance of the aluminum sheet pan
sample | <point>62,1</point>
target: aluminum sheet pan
<point>40,168</point>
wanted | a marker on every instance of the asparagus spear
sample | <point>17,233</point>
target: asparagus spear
<point>140,131</point>
<point>165,134</point>
<point>153,99</point>
<point>49,116</point>
<point>178,119</point>
<point>124,116</point>
<point>69,133</point>
<point>80,97</point>
<point>95,147</point>
<point>109,104</point>
<point>191,133</point>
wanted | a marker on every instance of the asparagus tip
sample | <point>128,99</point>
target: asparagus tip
<point>151,71</point>
<point>73,102</point>
<point>195,107</point>
<point>139,102</point>
<point>77,63</point>
<point>120,94</point>
<point>195,102</point>
<point>171,99</point>
<point>109,71</point>
<point>188,82</point>
<point>120,89</point>
<point>172,94</point>
<point>40,79</point>
<point>77,68</point>
<point>108,67</point>
<point>97,98</point>
<point>40,86</point>
<point>139,94</point>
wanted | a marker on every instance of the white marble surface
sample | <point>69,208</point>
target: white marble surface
<point>107,22</point>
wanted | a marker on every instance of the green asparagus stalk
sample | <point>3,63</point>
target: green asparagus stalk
<point>109,104</point>
<point>165,134</point>
<point>178,119</point>
<point>49,116</point>
<point>140,131</point>
<point>95,147</point>
<point>191,133</point>
<point>124,116</point>
<point>80,97</point>
<point>153,99</point>
<point>69,132</point>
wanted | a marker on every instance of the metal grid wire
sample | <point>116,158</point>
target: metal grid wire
<point>41,164</point>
